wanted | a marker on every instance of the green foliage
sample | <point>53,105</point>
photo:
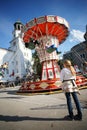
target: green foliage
<point>37,66</point>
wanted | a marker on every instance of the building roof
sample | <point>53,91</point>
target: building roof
<point>6,49</point>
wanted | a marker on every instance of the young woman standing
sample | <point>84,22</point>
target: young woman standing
<point>68,77</point>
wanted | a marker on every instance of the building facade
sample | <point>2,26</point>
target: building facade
<point>78,53</point>
<point>17,57</point>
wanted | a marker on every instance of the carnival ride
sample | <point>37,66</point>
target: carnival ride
<point>45,34</point>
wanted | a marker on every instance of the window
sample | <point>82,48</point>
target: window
<point>14,43</point>
<point>7,71</point>
<point>17,70</point>
<point>18,27</point>
<point>16,62</point>
<point>83,56</point>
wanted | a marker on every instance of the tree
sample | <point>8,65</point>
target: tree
<point>37,66</point>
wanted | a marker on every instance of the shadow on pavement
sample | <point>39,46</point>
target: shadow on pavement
<point>7,118</point>
<point>59,106</point>
<point>10,97</point>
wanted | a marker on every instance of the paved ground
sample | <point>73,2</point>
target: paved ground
<point>38,112</point>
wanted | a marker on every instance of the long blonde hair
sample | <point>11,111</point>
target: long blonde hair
<point>68,65</point>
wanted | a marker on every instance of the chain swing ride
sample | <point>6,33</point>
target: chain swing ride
<point>45,34</point>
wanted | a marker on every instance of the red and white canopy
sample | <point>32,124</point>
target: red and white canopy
<point>46,26</point>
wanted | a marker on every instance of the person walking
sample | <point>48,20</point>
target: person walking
<point>68,77</point>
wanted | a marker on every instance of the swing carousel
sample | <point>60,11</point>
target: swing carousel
<point>45,34</point>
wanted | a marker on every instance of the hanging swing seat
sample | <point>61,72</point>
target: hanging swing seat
<point>30,45</point>
<point>51,49</point>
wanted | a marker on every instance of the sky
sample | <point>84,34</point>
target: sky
<point>74,11</point>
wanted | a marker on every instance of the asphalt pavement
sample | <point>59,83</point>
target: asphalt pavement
<point>38,111</point>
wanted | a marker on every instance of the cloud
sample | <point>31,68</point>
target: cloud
<point>76,36</point>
